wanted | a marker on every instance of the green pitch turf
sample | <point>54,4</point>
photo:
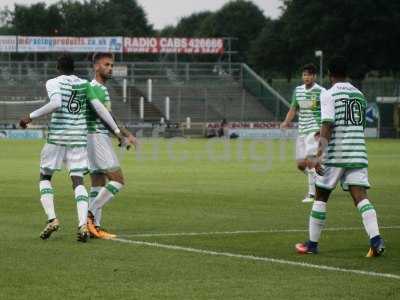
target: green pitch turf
<point>198,186</point>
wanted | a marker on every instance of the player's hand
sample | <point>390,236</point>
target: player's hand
<point>123,142</point>
<point>284,125</point>
<point>316,163</point>
<point>24,122</point>
<point>132,141</point>
<point>120,137</point>
<point>319,168</point>
<point>128,141</point>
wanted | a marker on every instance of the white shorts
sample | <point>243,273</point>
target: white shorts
<point>54,157</point>
<point>307,145</point>
<point>347,177</point>
<point>101,154</point>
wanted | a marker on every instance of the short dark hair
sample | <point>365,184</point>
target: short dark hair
<point>337,67</point>
<point>99,55</point>
<point>65,64</point>
<point>310,68</point>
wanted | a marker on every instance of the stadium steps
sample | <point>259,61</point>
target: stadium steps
<point>185,101</point>
<point>151,111</point>
<point>236,104</point>
<point>11,92</point>
<point>12,113</point>
<point>129,111</point>
<point>209,101</point>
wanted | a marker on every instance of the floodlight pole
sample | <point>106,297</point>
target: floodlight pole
<point>229,51</point>
<point>320,54</point>
<point>230,55</point>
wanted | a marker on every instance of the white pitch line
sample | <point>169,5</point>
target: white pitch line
<point>258,258</point>
<point>246,232</point>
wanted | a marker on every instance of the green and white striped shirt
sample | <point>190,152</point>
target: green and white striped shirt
<point>344,106</point>
<point>307,101</point>
<point>95,124</point>
<point>68,124</point>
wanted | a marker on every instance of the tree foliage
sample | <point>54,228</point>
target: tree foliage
<point>75,18</point>
<point>272,51</point>
<point>6,17</point>
<point>365,32</point>
<point>239,19</point>
<point>189,26</point>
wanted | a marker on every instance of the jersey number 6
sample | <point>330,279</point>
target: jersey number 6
<point>74,106</point>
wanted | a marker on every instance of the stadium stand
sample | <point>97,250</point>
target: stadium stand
<point>205,92</point>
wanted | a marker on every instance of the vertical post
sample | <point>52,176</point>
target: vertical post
<point>230,55</point>
<point>45,70</point>
<point>124,89</point>
<point>130,97</point>
<point>321,72</point>
<point>241,75</point>
<point>379,125</point>
<point>396,117</point>
<point>179,104</point>
<point>243,106</point>
<point>150,90</point>
<point>188,123</point>
<point>277,117</point>
<point>205,106</point>
<point>167,107</point>
<point>320,54</point>
<point>187,72</point>
<point>19,71</point>
<point>141,108</point>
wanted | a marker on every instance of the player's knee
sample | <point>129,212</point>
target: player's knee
<point>45,177</point>
<point>76,181</point>
<point>120,180</point>
<point>322,194</point>
<point>98,179</point>
<point>116,176</point>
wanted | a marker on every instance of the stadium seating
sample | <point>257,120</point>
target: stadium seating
<point>205,92</point>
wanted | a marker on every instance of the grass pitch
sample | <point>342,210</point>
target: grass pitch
<point>243,197</point>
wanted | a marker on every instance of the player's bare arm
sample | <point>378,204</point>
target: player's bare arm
<point>325,136</point>
<point>289,118</point>
<point>46,109</point>
<point>107,118</point>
